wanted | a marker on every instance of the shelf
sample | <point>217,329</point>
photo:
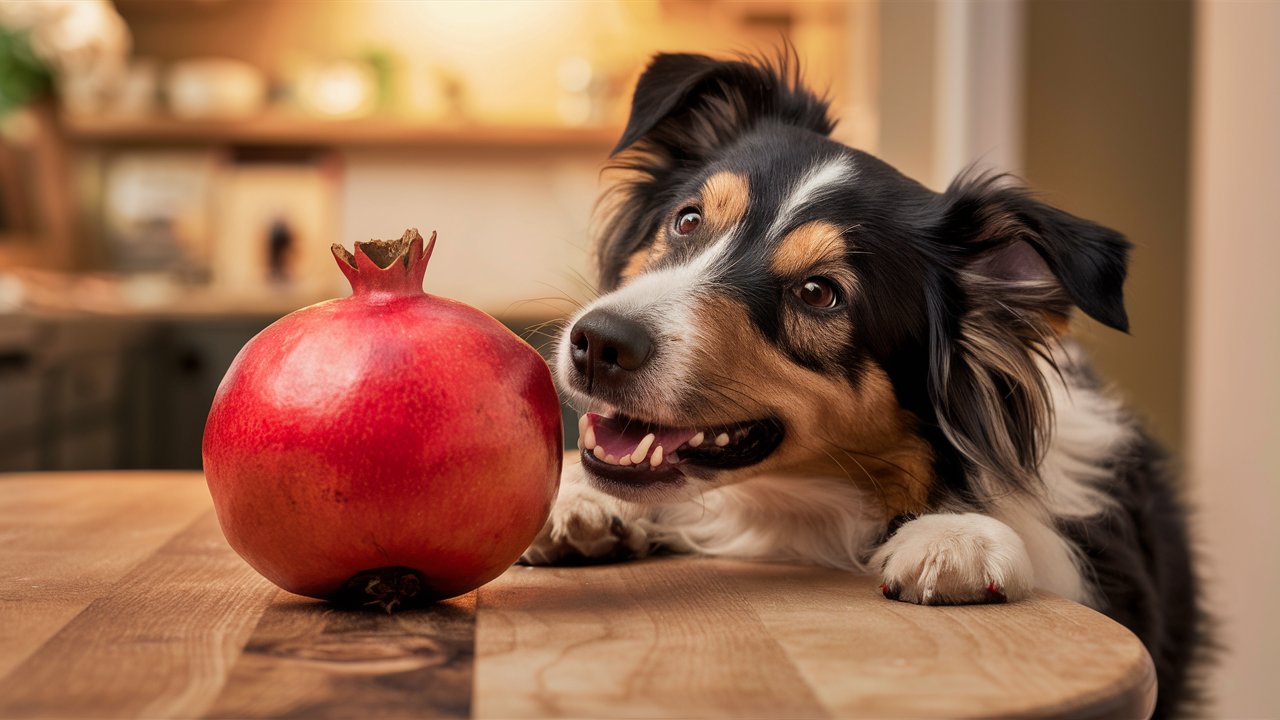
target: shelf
<point>284,130</point>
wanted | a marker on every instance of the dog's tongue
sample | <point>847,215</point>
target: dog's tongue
<point>620,438</point>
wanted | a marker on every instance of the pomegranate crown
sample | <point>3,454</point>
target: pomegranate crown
<point>386,266</point>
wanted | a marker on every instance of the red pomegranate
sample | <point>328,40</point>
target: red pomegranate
<point>385,446</point>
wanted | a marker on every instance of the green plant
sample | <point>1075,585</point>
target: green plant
<point>23,75</point>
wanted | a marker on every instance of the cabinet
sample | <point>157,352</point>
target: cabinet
<point>94,393</point>
<point>63,400</point>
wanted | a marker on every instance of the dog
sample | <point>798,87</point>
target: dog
<point>800,354</point>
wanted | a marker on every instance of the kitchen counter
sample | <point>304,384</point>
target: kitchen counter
<point>120,598</point>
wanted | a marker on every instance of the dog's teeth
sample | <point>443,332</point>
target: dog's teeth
<point>589,438</point>
<point>611,459</point>
<point>582,425</point>
<point>642,449</point>
<point>625,460</point>
<point>722,439</point>
<point>599,452</point>
<point>696,440</point>
<point>579,442</point>
<point>656,460</point>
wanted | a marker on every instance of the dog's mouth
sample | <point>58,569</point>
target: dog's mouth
<point>631,451</point>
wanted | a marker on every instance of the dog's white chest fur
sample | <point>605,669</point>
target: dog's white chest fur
<point>939,557</point>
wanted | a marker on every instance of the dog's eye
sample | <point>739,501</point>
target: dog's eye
<point>817,292</point>
<point>687,220</point>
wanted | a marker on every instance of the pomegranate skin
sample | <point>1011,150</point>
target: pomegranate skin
<point>390,429</point>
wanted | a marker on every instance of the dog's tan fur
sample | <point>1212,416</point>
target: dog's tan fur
<point>834,428</point>
<point>723,199</point>
<point>813,244</point>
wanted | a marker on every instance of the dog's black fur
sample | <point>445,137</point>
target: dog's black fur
<point>984,259</point>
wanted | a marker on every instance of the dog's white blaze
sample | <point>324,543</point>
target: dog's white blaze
<point>820,180</point>
<point>670,285</point>
<point>664,300</point>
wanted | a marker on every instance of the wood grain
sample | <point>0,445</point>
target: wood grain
<point>120,598</point>
<point>1040,657</point>
<point>652,639</point>
<point>307,659</point>
<point>684,637</point>
<point>157,645</point>
<point>66,538</point>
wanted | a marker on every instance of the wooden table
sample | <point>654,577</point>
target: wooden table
<point>120,598</point>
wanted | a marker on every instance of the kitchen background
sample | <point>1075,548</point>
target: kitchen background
<point>172,173</point>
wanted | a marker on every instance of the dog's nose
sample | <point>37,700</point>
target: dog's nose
<point>606,345</point>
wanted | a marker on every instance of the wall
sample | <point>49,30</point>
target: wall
<point>907,68</point>
<point>512,225</point>
<point>1234,419</point>
<point>950,88</point>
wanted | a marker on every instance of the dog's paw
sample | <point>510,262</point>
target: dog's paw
<point>946,559</point>
<point>587,526</point>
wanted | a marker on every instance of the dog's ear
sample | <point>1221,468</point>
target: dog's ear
<point>1018,267</point>
<point>687,105</point>
<point>1009,235</point>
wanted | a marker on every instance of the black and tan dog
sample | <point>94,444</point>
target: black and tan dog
<point>801,354</point>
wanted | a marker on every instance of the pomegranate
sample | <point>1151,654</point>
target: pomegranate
<point>388,446</point>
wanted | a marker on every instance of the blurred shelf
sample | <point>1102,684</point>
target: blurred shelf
<point>285,130</point>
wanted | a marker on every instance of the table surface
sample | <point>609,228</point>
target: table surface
<point>120,598</point>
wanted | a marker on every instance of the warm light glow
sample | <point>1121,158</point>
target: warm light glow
<point>340,89</point>
<point>575,74</point>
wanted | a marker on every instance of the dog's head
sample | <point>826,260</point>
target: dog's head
<point>777,301</point>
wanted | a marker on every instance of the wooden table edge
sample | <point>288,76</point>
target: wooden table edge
<point>1131,694</point>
